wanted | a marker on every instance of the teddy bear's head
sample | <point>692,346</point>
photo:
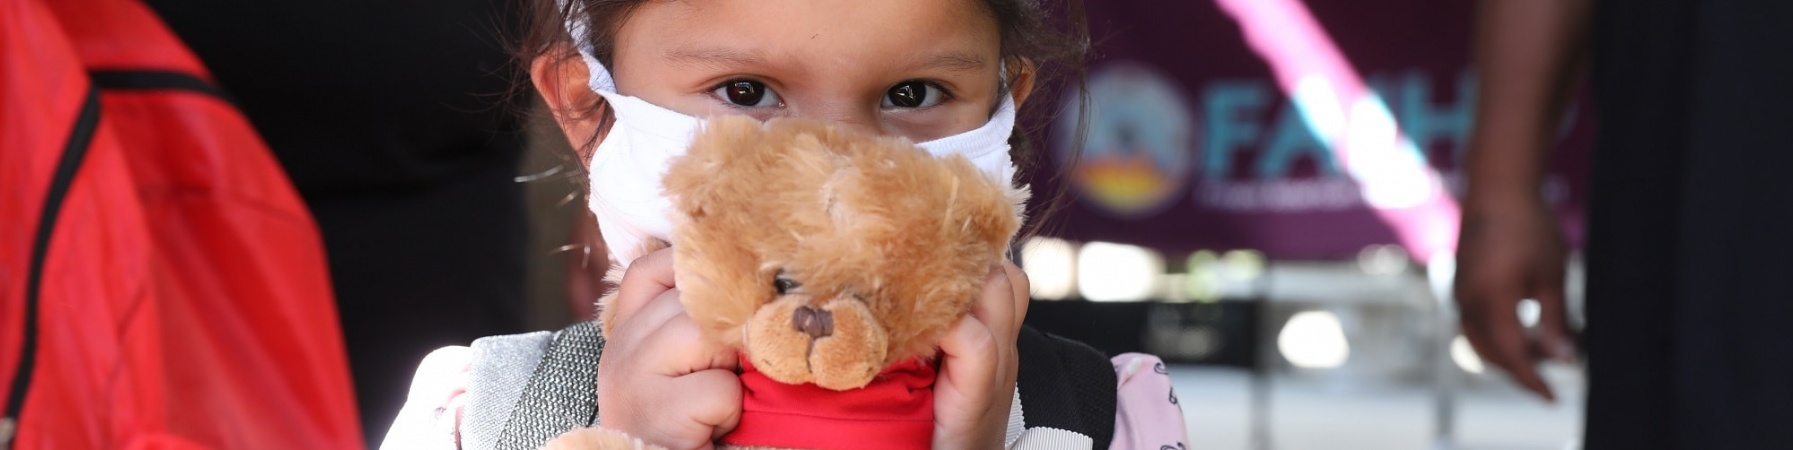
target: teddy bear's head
<point>827,255</point>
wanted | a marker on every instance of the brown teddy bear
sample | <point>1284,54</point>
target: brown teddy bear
<point>835,262</point>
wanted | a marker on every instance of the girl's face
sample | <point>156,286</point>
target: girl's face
<point>921,69</point>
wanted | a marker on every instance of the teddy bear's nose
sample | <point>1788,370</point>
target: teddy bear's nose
<point>814,322</point>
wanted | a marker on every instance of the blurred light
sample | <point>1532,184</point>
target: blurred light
<point>1387,259</point>
<point>1172,288</point>
<point>1213,276</point>
<point>1388,167</point>
<point>1313,340</point>
<point>1203,280</point>
<point>1108,272</point>
<point>1243,265</point>
<point>1193,342</point>
<point>1318,104</point>
<point>1051,267</point>
<point>1529,310</point>
<point>1441,271</point>
<point>1464,355</point>
<point>1199,342</point>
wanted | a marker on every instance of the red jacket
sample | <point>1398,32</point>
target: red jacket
<point>161,283</point>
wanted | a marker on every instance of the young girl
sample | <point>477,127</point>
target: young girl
<point>628,84</point>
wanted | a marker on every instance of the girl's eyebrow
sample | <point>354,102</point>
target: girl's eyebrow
<point>725,57</point>
<point>955,62</point>
<point>717,57</point>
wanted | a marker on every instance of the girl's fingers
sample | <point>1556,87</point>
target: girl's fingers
<point>719,393</point>
<point>998,313</point>
<point>995,306</point>
<point>663,381</point>
<point>709,406</point>
<point>686,411</point>
<point>647,318</point>
<point>646,278</point>
<point>1007,298</point>
<point>972,379</point>
<point>680,347</point>
<point>969,357</point>
<point>1023,291</point>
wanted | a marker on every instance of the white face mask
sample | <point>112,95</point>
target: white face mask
<point>628,164</point>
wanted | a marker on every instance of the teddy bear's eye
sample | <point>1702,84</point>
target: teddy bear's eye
<point>784,285</point>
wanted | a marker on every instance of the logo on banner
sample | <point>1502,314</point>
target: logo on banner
<point>1140,143</point>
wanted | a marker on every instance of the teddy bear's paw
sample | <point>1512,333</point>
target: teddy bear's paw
<point>597,439</point>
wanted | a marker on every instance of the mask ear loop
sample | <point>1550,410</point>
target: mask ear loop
<point>1002,77</point>
<point>1002,80</point>
<point>580,31</point>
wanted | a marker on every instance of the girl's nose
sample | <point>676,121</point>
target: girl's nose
<point>850,115</point>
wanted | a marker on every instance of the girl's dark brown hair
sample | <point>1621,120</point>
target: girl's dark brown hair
<point>1057,45</point>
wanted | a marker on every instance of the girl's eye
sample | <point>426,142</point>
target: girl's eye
<point>913,94</point>
<point>748,93</point>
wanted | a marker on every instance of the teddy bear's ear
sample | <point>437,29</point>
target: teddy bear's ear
<point>1018,196</point>
<point>992,208</point>
<point>690,179</point>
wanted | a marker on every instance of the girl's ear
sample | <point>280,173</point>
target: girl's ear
<point>561,81</point>
<point>1020,79</point>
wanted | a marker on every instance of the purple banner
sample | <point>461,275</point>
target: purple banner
<point>1302,130</point>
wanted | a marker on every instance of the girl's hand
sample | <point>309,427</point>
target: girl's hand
<point>977,370</point>
<point>659,380</point>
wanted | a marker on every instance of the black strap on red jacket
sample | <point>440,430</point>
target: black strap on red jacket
<point>69,164</point>
<point>155,80</point>
<point>75,151</point>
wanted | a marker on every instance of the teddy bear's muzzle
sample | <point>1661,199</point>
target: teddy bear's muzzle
<point>836,344</point>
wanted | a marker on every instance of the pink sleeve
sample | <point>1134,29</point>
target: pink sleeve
<point>430,419</point>
<point>1147,414</point>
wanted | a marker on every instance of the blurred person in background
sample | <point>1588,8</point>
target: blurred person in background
<point>388,117</point>
<point>1688,257</point>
